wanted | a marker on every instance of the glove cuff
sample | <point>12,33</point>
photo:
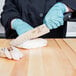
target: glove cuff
<point>15,23</point>
<point>61,6</point>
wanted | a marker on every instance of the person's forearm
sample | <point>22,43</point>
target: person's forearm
<point>68,9</point>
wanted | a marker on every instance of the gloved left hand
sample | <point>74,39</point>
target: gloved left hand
<point>54,17</point>
<point>20,26</point>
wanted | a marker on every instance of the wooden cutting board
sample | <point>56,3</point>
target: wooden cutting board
<point>58,58</point>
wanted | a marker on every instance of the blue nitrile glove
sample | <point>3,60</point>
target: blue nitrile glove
<point>20,26</point>
<point>54,17</point>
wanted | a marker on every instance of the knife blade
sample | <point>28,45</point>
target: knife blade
<point>35,33</point>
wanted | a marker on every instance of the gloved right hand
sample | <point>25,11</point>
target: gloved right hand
<point>20,26</point>
<point>54,17</point>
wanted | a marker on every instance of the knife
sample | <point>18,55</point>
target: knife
<point>35,33</point>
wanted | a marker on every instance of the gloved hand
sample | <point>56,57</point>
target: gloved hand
<point>20,26</point>
<point>54,17</point>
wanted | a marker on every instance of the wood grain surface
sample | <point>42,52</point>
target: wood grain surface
<point>58,58</point>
